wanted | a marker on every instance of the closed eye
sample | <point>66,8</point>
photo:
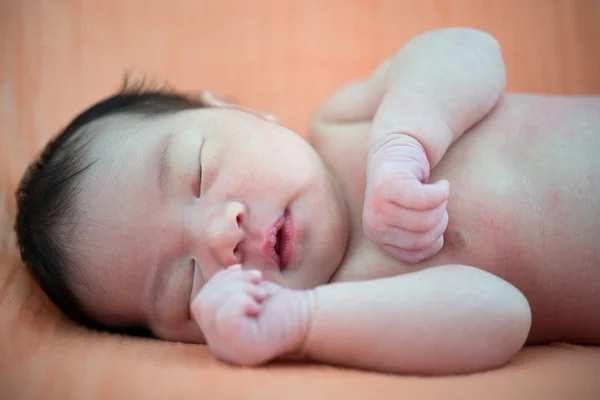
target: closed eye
<point>198,184</point>
<point>197,187</point>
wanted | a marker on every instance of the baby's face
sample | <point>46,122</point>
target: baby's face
<point>171,200</point>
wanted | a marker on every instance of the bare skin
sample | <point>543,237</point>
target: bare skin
<point>441,226</point>
<point>535,224</point>
<point>524,203</point>
<point>495,224</point>
<point>510,214</point>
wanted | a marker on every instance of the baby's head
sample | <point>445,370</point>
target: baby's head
<point>147,194</point>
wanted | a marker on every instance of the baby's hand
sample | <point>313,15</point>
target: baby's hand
<point>248,321</point>
<point>402,213</point>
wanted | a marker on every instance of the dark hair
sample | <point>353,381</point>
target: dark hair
<point>46,195</point>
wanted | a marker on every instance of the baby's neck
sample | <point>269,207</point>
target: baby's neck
<point>350,200</point>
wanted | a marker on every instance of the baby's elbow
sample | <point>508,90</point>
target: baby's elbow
<point>486,50</point>
<point>470,37</point>
<point>463,36</point>
<point>477,48</point>
<point>497,320</point>
<point>519,320</point>
<point>518,326</point>
<point>509,332</point>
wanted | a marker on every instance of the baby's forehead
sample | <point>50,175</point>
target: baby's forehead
<point>118,184</point>
<point>123,126</point>
<point>117,148</point>
<point>113,137</point>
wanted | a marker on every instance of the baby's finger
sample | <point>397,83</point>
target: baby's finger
<point>253,275</point>
<point>235,281</point>
<point>405,218</point>
<point>409,240</point>
<point>251,307</point>
<point>237,305</point>
<point>259,293</point>
<point>224,274</point>
<point>418,196</point>
<point>415,257</point>
<point>270,287</point>
<point>236,272</point>
<point>233,289</point>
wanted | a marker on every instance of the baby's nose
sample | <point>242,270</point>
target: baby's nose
<point>225,232</point>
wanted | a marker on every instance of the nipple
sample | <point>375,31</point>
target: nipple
<point>458,238</point>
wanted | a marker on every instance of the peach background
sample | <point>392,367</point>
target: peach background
<point>282,56</point>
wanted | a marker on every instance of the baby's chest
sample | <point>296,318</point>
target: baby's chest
<point>482,232</point>
<point>364,261</point>
<point>482,225</point>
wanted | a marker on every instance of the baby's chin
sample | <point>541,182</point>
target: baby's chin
<point>309,277</point>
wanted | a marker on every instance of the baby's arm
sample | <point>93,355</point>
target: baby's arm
<point>438,86</point>
<point>443,320</point>
<point>420,101</point>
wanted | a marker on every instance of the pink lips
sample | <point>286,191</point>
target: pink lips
<point>280,241</point>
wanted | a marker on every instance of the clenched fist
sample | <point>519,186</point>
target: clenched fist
<point>404,214</point>
<point>248,321</point>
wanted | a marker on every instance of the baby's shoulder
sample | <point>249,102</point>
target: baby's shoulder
<point>342,146</point>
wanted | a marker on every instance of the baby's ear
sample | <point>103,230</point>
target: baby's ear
<point>211,99</point>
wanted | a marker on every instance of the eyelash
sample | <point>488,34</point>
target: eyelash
<point>198,185</point>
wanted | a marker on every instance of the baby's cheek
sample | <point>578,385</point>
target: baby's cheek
<point>186,331</point>
<point>194,333</point>
<point>198,282</point>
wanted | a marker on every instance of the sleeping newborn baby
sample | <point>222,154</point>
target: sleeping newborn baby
<point>429,225</point>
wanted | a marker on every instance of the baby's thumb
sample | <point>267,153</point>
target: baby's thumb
<point>444,185</point>
<point>271,287</point>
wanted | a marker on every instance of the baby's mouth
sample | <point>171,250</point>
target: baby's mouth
<point>283,241</point>
<point>278,241</point>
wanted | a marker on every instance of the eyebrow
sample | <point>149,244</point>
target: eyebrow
<point>164,165</point>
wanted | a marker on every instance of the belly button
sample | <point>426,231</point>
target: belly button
<point>457,238</point>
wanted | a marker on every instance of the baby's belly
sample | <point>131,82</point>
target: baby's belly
<point>525,205</point>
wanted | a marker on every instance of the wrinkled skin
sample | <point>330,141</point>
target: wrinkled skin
<point>403,213</point>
